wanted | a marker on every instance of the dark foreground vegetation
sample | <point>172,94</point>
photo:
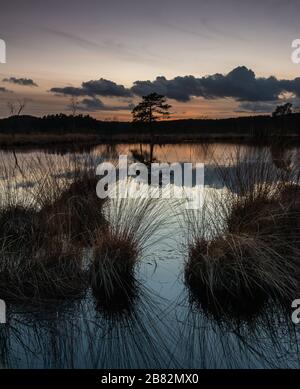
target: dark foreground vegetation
<point>54,129</point>
<point>244,248</point>
<point>59,239</point>
<point>76,297</point>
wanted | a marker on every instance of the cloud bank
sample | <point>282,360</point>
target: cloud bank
<point>4,90</point>
<point>95,104</point>
<point>94,88</point>
<point>240,84</point>
<point>20,81</point>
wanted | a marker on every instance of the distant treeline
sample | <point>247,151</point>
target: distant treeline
<point>254,126</point>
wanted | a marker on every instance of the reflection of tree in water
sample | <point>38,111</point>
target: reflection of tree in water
<point>143,155</point>
<point>198,152</point>
<point>281,157</point>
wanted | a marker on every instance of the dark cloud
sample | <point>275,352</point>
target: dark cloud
<point>179,88</point>
<point>4,90</point>
<point>257,107</point>
<point>241,84</point>
<point>265,106</point>
<point>20,81</point>
<point>91,105</point>
<point>107,88</point>
<point>95,104</point>
<point>101,87</point>
<point>69,91</point>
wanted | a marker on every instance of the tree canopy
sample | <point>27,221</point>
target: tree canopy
<point>152,108</point>
<point>284,109</point>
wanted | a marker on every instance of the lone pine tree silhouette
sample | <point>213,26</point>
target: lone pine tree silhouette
<point>153,107</point>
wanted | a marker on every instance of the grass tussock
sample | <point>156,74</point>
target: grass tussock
<point>112,275</point>
<point>290,196</point>
<point>42,235</point>
<point>49,229</point>
<point>116,252</point>
<point>77,211</point>
<point>112,272</point>
<point>16,225</point>
<point>42,274</point>
<point>245,247</point>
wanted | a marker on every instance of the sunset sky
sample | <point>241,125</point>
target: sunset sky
<point>109,53</point>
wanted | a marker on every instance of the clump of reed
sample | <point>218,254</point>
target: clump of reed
<point>17,214</point>
<point>68,218</point>
<point>57,271</point>
<point>40,259</point>
<point>222,274</point>
<point>290,194</point>
<point>290,198</point>
<point>16,225</point>
<point>75,208</point>
<point>114,258</point>
<point>132,224</point>
<point>43,274</point>
<point>245,248</point>
<point>112,272</point>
